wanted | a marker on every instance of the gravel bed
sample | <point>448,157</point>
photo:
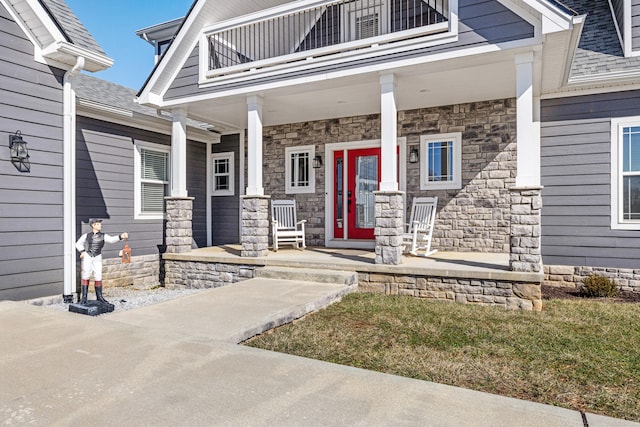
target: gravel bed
<point>127,298</point>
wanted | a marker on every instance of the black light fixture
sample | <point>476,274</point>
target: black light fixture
<point>317,161</point>
<point>414,155</point>
<point>19,152</point>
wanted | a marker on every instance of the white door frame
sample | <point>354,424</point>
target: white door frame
<point>329,240</point>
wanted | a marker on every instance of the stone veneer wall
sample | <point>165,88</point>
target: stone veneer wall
<point>501,293</point>
<point>475,218</point>
<point>626,279</point>
<point>200,275</point>
<point>142,271</point>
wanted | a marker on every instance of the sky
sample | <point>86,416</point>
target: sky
<point>113,24</point>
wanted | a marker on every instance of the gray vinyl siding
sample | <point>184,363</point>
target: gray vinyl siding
<point>105,184</point>
<point>635,25</point>
<point>226,209</point>
<point>197,188</point>
<point>576,175</point>
<point>31,214</point>
<point>481,23</point>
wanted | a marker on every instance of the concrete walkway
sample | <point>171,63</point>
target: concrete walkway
<point>174,363</point>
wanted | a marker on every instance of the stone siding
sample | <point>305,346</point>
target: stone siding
<point>142,271</point>
<point>203,275</point>
<point>501,293</point>
<point>474,218</point>
<point>626,279</point>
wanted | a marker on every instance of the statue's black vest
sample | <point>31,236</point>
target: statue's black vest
<point>94,243</point>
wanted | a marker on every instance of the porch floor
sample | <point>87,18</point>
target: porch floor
<point>471,265</point>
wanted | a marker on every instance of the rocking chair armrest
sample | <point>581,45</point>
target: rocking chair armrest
<point>301,222</point>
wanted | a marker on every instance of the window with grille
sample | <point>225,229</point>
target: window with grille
<point>151,179</point>
<point>300,177</point>
<point>223,174</point>
<point>367,26</point>
<point>441,161</point>
<point>625,174</point>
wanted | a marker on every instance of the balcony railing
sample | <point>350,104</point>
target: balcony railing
<point>308,29</point>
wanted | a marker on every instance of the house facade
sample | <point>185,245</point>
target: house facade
<point>520,115</point>
<point>497,107</point>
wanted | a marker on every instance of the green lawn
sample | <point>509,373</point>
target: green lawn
<point>579,354</point>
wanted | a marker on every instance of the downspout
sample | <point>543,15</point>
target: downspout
<point>69,163</point>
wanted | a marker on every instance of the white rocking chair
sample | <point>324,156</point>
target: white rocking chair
<point>285,226</point>
<point>420,227</point>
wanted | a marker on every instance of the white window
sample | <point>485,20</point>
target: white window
<point>223,174</point>
<point>300,177</point>
<point>151,175</point>
<point>441,161</point>
<point>625,173</point>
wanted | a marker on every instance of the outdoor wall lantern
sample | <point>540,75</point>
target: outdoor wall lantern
<point>317,162</point>
<point>414,155</point>
<point>19,152</point>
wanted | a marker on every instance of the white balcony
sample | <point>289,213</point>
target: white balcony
<point>308,33</point>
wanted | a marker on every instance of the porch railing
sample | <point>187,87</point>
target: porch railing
<point>304,29</point>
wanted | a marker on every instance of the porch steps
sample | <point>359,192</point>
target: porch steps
<point>349,278</point>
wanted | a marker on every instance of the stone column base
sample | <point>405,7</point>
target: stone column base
<point>525,247</point>
<point>178,228</point>
<point>389,226</point>
<point>255,226</point>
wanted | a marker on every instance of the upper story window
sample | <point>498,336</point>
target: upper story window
<point>223,174</point>
<point>625,173</point>
<point>441,161</point>
<point>151,179</point>
<point>300,177</point>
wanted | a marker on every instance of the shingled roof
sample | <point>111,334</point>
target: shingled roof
<point>599,51</point>
<point>71,26</point>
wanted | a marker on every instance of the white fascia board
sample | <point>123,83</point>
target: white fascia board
<point>576,34</point>
<point>93,61</point>
<point>515,46</point>
<point>168,64</point>
<point>553,19</point>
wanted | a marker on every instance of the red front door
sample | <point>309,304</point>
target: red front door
<point>362,179</point>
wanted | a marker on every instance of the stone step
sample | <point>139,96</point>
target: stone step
<point>349,278</point>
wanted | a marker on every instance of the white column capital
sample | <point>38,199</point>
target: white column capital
<point>388,82</point>
<point>524,58</point>
<point>254,101</point>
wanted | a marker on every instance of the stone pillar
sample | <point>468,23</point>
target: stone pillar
<point>389,226</point>
<point>255,226</point>
<point>178,229</point>
<point>526,206</point>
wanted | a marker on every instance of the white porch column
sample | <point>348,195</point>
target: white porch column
<point>179,153</point>
<point>389,133</point>
<point>254,154</point>
<point>528,124</point>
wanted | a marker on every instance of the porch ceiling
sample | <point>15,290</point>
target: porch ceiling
<point>418,86</point>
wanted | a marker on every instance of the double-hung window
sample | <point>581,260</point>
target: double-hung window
<point>441,161</point>
<point>625,173</point>
<point>152,175</point>
<point>223,174</point>
<point>300,177</point>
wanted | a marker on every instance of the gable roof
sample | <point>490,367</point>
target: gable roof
<point>70,25</point>
<point>599,54</point>
<point>59,38</point>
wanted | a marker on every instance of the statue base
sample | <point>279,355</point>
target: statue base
<point>91,308</point>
